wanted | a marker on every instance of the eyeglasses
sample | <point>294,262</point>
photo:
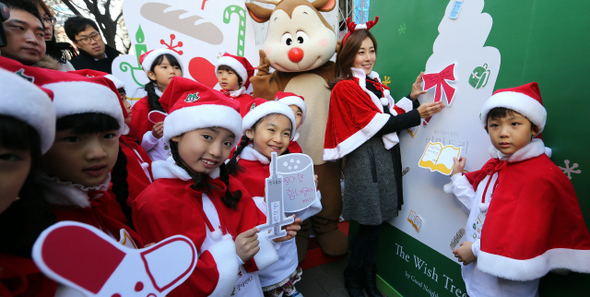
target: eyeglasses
<point>49,20</point>
<point>86,40</point>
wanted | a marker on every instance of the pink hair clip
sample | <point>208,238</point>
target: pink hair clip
<point>352,26</point>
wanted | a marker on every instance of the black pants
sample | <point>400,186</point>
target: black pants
<point>363,248</point>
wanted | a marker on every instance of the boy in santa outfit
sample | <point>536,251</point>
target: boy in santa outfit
<point>533,221</point>
<point>233,75</point>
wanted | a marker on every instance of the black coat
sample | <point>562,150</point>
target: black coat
<point>85,61</point>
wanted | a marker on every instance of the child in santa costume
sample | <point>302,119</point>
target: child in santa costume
<point>76,178</point>
<point>194,195</point>
<point>362,126</point>
<point>297,104</point>
<point>132,172</point>
<point>233,76</point>
<point>27,130</point>
<point>524,219</point>
<point>269,127</point>
<point>160,65</point>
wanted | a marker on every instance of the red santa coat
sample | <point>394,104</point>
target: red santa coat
<point>139,174</point>
<point>356,115</point>
<point>169,206</point>
<point>534,223</point>
<point>21,277</point>
<point>139,121</point>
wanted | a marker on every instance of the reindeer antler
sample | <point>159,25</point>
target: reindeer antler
<point>370,24</point>
<point>352,26</point>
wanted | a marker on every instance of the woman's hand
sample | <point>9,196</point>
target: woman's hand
<point>417,87</point>
<point>464,253</point>
<point>459,165</point>
<point>158,130</point>
<point>291,230</point>
<point>427,110</point>
<point>247,244</point>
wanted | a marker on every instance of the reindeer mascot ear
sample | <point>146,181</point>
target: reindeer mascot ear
<point>86,259</point>
<point>299,45</point>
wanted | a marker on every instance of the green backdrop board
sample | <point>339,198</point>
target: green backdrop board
<point>512,42</point>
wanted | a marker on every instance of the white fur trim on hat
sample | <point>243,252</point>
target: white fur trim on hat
<point>75,97</point>
<point>294,100</point>
<point>202,116</point>
<point>241,71</point>
<point>118,83</point>
<point>518,102</point>
<point>265,109</point>
<point>151,56</point>
<point>26,102</point>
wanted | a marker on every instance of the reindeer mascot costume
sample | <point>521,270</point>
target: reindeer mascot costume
<point>299,45</point>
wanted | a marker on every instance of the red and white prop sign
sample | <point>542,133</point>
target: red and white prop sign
<point>88,260</point>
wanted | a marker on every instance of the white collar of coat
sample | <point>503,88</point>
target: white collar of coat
<point>534,149</point>
<point>362,77</point>
<point>59,192</point>
<point>169,169</point>
<point>235,93</point>
<point>250,154</point>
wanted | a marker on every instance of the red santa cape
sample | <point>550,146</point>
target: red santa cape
<point>534,223</point>
<point>356,115</point>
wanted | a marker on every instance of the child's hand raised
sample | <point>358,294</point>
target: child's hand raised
<point>247,244</point>
<point>291,230</point>
<point>158,130</point>
<point>464,253</point>
<point>459,165</point>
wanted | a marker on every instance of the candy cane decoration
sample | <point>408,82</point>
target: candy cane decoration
<point>242,30</point>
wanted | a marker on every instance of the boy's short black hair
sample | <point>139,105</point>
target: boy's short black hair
<point>77,24</point>
<point>502,112</point>
<point>227,68</point>
<point>24,5</point>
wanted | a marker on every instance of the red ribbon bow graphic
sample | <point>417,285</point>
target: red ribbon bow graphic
<point>440,81</point>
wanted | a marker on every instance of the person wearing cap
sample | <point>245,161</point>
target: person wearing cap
<point>269,127</point>
<point>27,130</point>
<point>532,217</point>
<point>76,173</point>
<point>297,104</point>
<point>160,65</point>
<point>233,75</point>
<point>194,195</point>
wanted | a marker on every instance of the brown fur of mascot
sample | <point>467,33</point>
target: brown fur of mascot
<point>299,45</point>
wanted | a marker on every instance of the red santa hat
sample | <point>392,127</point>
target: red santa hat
<point>74,94</point>
<point>147,59</point>
<point>26,102</point>
<point>241,65</point>
<point>259,108</point>
<point>292,99</point>
<point>191,105</point>
<point>525,99</point>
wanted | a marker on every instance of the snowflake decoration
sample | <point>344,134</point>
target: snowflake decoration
<point>402,29</point>
<point>386,80</point>
<point>569,170</point>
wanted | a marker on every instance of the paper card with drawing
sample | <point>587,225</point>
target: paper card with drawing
<point>439,158</point>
